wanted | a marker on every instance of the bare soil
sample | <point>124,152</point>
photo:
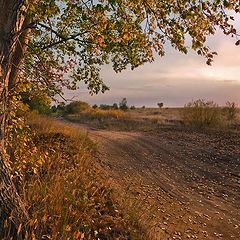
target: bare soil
<point>183,184</point>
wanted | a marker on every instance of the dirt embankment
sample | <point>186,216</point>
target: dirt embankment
<point>178,184</point>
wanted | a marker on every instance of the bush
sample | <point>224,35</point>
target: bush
<point>231,110</point>
<point>95,106</point>
<point>201,113</point>
<point>61,106</point>
<point>115,106</point>
<point>105,106</point>
<point>53,109</point>
<point>76,107</point>
<point>39,103</point>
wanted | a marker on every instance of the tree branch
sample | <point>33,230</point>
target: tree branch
<point>62,38</point>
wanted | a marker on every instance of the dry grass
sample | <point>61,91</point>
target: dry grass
<point>99,115</point>
<point>111,113</point>
<point>153,119</point>
<point>163,115</point>
<point>65,199</point>
<point>114,119</point>
<point>207,114</point>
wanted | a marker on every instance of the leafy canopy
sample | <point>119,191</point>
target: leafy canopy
<point>72,39</point>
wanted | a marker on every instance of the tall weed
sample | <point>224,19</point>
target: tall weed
<point>201,113</point>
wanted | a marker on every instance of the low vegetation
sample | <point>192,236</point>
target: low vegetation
<point>201,113</point>
<point>97,117</point>
<point>64,196</point>
<point>231,111</point>
<point>207,114</point>
<point>76,107</point>
<point>197,114</point>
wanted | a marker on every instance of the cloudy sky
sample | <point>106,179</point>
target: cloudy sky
<point>175,79</point>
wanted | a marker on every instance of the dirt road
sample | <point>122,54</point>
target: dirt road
<point>179,184</point>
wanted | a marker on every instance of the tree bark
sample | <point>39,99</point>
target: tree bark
<point>12,16</point>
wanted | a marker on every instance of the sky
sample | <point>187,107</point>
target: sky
<point>174,79</point>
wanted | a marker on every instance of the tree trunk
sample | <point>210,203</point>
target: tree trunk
<point>12,16</point>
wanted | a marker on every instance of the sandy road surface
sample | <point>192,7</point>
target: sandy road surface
<point>186,183</point>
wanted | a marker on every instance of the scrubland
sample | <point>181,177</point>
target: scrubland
<point>198,114</point>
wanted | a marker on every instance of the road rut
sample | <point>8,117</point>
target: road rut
<point>182,184</point>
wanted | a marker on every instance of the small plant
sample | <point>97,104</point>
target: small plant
<point>201,113</point>
<point>231,110</point>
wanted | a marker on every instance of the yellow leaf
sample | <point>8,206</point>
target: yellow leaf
<point>68,228</point>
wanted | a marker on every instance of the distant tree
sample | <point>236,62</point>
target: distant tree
<point>160,105</point>
<point>95,106</point>
<point>76,107</point>
<point>105,106</point>
<point>132,107</point>
<point>61,106</point>
<point>123,104</point>
<point>143,107</point>
<point>115,106</point>
<point>53,109</point>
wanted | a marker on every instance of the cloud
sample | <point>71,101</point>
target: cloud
<point>175,79</point>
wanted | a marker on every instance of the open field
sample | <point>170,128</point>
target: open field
<point>173,181</point>
<point>166,115</point>
<point>150,119</point>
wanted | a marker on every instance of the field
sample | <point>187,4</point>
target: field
<point>138,119</point>
<point>172,181</point>
<point>150,119</point>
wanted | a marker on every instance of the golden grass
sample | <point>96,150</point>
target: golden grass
<point>145,120</point>
<point>66,199</point>
<point>47,125</point>
<point>111,113</point>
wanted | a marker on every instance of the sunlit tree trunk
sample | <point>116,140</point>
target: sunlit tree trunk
<point>12,17</point>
